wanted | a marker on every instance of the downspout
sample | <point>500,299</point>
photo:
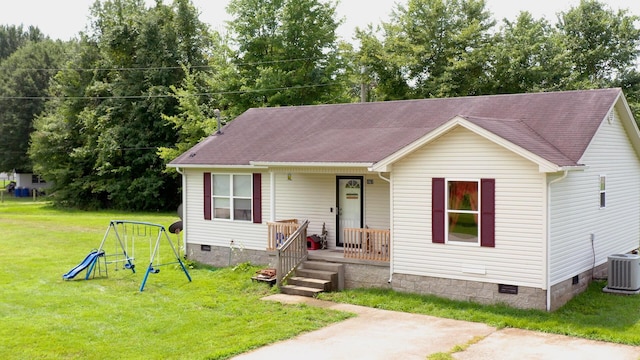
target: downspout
<point>383,178</point>
<point>184,213</point>
<point>391,227</point>
<point>548,286</point>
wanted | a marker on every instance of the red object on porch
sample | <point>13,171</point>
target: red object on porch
<point>314,242</point>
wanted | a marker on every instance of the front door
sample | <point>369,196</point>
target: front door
<point>349,204</point>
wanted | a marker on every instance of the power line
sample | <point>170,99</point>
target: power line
<point>132,97</point>
<point>143,68</point>
<point>111,149</point>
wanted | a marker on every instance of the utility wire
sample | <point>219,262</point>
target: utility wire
<point>167,67</point>
<point>154,148</point>
<point>161,95</point>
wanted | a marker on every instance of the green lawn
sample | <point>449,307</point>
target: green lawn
<point>216,316</point>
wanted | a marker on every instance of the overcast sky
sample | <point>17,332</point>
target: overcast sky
<point>63,19</point>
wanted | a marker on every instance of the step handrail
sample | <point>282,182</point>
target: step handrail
<point>291,253</point>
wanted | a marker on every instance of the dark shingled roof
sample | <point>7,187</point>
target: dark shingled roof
<point>557,126</point>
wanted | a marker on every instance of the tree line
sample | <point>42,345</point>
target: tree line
<point>101,115</point>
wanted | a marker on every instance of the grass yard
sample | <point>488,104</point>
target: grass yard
<point>216,316</point>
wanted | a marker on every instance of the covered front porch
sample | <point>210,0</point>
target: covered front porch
<point>358,243</point>
<point>348,208</point>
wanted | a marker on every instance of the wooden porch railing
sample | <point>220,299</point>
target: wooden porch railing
<point>280,231</point>
<point>291,253</point>
<point>367,244</point>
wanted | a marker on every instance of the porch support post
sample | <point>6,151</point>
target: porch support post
<point>272,196</point>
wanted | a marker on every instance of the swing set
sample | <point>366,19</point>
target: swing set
<point>124,234</point>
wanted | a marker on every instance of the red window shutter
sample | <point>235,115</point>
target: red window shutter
<point>488,212</point>
<point>257,198</point>
<point>207,196</point>
<point>437,210</point>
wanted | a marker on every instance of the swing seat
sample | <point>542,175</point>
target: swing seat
<point>154,271</point>
<point>129,266</point>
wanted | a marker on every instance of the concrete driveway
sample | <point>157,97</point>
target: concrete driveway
<point>382,334</point>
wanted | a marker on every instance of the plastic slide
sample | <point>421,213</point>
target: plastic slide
<point>93,255</point>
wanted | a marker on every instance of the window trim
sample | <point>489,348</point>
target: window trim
<point>602,191</point>
<point>487,210</point>
<point>207,195</point>
<point>231,197</point>
<point>37,179</point>
<point>477,212</point>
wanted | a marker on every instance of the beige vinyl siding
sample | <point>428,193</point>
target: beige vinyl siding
<point>376,202</point>
<point>312,196</point>
<point>518,257</point>
<point>307,196</point>
<point>575,205</point>
<point>219,232</point>
<point>299,195</point>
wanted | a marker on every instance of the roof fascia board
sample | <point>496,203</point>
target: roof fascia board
<point>626,118</point>
<point>212,166</point>
<point>267,164</point>
<point>574,168</point>
<point>628,122</point>
<point>543,164</point>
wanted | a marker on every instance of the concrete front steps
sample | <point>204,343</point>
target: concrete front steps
<point>313,277</point>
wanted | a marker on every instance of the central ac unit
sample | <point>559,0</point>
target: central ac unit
<point>624,272</point>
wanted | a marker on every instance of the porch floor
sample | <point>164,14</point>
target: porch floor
<point>337,256</point>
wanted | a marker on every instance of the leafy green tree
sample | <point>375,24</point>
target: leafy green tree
<point>601,43</point>
<point>528,56</point>
<point>437,48</point>
<point>13,37</point>
<point>287,54</point>
<point>58,148</point>
<point>630,84</point>
<point>134,56</point>
<point>380,69</point>
<point>195,119</point>
<point>199,95</point>
<point>24,79</point>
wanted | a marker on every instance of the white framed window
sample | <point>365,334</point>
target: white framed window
<point>462,212</point>
<point>603,191</point>
<point>232,197</point>
<point>37,179</point>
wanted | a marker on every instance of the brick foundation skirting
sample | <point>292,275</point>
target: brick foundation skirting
<point>366,275</point>
<point>463,290</point>
<point>376,275</point>
<point>564,291</point>
<point>221,256</point>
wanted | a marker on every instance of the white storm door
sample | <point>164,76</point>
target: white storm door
<point>349,205</point>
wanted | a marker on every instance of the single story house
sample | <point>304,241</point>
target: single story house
<point>515,199</point>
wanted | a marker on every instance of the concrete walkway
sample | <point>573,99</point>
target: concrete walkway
<point>382,334</point>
